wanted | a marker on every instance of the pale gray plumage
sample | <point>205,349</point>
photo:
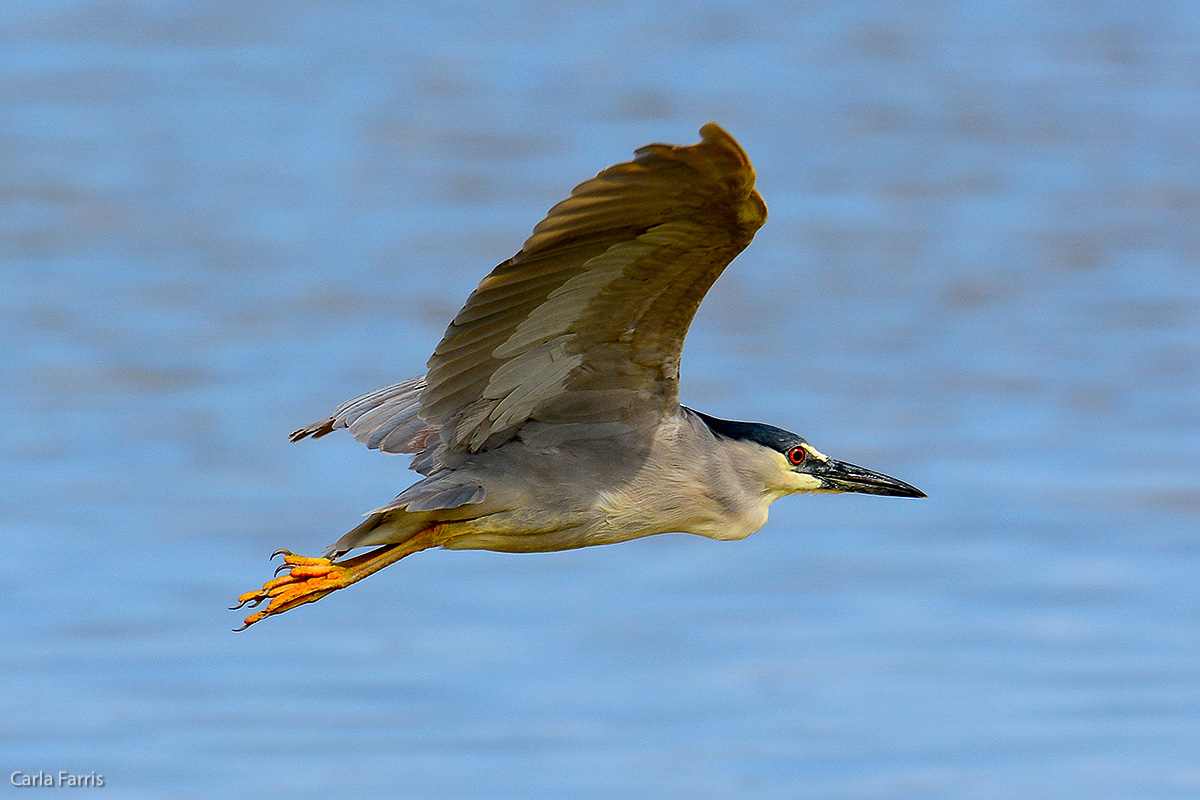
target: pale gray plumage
<point>386,419</point>
<point>549,416</point>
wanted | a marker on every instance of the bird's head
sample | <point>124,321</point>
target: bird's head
<point>796,466</point>
<point>808,470</point>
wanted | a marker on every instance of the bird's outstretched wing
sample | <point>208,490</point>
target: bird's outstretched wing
<point>583,329</point>
<point>584,326</point>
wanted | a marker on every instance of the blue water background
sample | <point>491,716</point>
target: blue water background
<point>980,274</point>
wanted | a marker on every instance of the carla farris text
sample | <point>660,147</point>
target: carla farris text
<point>63,778</point>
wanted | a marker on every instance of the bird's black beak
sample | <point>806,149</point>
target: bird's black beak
<point>838,476</point>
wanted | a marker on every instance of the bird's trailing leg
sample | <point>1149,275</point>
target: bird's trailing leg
<point>309,579</point>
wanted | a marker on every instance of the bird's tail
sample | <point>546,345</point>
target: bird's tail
<point>388,528</point>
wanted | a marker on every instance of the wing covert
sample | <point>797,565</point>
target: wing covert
<point>585,325</point>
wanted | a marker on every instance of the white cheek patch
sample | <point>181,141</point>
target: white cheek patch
<point>800,482</point>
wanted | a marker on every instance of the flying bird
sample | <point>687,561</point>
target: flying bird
<point>548,417</point>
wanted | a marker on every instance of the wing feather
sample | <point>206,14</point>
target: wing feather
<point>598,301</point>
<point>386,419</point>
<point>580,333</point>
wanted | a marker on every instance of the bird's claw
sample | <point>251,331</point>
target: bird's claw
<point>307,580</point>
<point>310,579</point>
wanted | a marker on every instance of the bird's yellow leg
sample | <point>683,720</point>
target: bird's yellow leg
<point>309,579</point>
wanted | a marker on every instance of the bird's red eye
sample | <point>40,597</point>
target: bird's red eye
<point>796,455</point>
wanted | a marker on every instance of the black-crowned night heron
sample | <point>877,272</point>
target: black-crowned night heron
<point>549,416</point>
